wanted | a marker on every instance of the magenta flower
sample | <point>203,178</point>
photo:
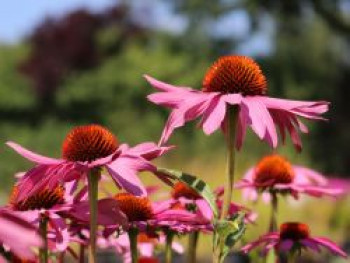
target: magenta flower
<point>48,205</point>
<point>85,148</point>
<point>19,235</point>
<point>235,81</point>
<point>144,215</point>
<point>275,175</point>
<point>293,237</point>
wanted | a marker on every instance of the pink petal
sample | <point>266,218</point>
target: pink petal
<point>193,107</point>
<point>330,245</point>
<point>148,150</point>
<point>34,157</point>
<point>261,120</point>
<point>162,86</point>
<point>124,171</point>
<point>18,235</point>
<point>214,115</point>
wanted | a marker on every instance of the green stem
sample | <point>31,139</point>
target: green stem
<point>43,252</point>
<point>93,178</point>
<point>231,123</point>
<point>168,247</point>
<point>274,210</point>
<point>81,253</point>
<point>192,247</point>
<point>133,232</point>
<point>291,258</point>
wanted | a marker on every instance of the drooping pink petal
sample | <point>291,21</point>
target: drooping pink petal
<point>306,175</point>
<point>124,171</point>
<point>108,212</point>
<point>148,150</point>
<point>47,177</point>
<point>19,235</point>
<point>214,115</point>
<point>330,245</point>
<point>33,157</point>
<point>190,109</point>
<point>162,86</point>
<point>261,120</point>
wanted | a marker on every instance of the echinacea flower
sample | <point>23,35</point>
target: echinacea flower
<point>292,237</point>
<point>46,205</point>
<point>238,82</point>
<point>143,214</point>
<point>275,175</point>
<point>86,148</point>
<point>18,235</point>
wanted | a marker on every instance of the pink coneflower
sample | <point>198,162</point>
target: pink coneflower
<point>235,81</point>
<point>292,237</point>
<point>43,209</point>
<point>18,235</point>
<point>84,149</point>
<point>276,175</point>
<point>142,214</point>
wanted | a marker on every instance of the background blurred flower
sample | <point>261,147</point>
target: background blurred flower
<point>274,174</point>
<point>292,238</point>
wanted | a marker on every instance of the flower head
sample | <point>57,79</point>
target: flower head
<point>292,237</point>
<point>276,175</point>
<point>44,199</point>
<point>235,81</point>
<point>134,207</point>
<point>235,74</point>
<point>88,143</point>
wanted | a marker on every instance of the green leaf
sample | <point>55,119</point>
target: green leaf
<point>201,187</point>
<point>227,233</point>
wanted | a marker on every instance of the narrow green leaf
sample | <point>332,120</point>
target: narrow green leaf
<point>201,187</point>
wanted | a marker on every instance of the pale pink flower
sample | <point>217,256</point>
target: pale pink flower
<point>293,237</point>
<point>235,81</point>
<point>85,148</point>
<point>275,175</point>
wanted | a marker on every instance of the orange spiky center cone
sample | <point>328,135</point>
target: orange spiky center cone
<point>294,230</point>
<point>182,190</point>
<point>235,74</point>
<point>44,199</point>
<point>134,207</point>
<point>88,143</point>
<point>273,169</point>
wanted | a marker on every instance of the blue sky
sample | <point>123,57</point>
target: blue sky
<point>19,17</point>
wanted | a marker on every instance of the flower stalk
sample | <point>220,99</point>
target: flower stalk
<point>133,232</point>
<point>93,178</point>
<point>168,247</point>
<point>274,210</point>
<point>192,247</point>
<point>82,253</point>
<point>43,252</point>
<point>231,122</point>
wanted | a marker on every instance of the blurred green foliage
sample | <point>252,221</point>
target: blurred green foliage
<point>307,62</point>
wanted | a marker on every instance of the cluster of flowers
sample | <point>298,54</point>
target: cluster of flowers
<point>54,206</point>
